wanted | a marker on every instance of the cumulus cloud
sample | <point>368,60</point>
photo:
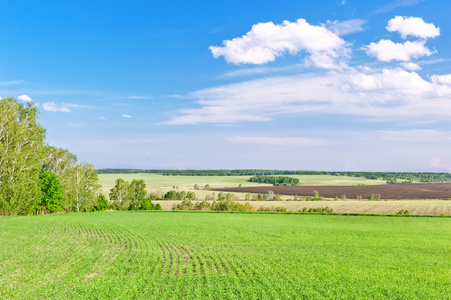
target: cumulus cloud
<point>64,107</point>
<point>345,27</point>
<point>126,116</point>
<point>267,41</point>
<point>442,79</point>
<point>386,50</point>
<point>25,98</point>
<point>413,26</point>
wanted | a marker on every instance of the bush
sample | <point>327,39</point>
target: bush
<point>326,209</point>
<point>273,208</point>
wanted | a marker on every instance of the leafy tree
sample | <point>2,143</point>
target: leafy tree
<point>146,204</point>
<point>137,193</point>
<point>21,145</point>
<point>51,199</point>
<point>120,194</point>
<point>102,203</point>
<point>82,187</point>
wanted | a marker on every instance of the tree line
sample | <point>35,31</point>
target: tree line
<point>34,176</point>
<point>390,177</point>
<point>274,180</point>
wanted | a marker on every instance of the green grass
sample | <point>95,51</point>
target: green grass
<point>164,255</point>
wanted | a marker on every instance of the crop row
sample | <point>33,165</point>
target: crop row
<point>177,255</point>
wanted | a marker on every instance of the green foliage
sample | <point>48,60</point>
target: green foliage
<point>101,204</point>
<point>137,193</point>
<point>403,212</point>
<point>326,209</point>
<point>21,148</point>
<point>374,197</point>
<point>180,195</point>
<point>273,208</point>
<point>279,180</point>
<point>231,205</point>
<point>146,204</point>
<point>120,194</point>
<point>51,199</point>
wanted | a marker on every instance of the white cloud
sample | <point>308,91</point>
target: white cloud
<point>126,116</point>
<point>413,26</point>
<point>64,107</point>
<point>277,141</point>
<point>25,98</point>
<point>382,94</point>
<point>345,27</point>
<point>442,79</point>
<point>396,4</point>
<point>386,50</point>
<point>411,66</point>
<point>266,41</point>
<point>103,118</point>
<point>139,97</point>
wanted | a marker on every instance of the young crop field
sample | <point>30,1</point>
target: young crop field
<point>162,255</point>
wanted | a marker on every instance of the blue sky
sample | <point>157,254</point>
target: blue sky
<point>320,85</point>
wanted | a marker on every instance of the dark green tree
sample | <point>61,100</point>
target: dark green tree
<point>102,203</point>
<point>51,199</point>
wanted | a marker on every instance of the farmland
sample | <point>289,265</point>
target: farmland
<point>157,183</point>
<point>223,255</point>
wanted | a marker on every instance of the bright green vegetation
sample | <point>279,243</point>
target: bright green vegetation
<point>36,178</point>
<point>275,180</point>
<point>163,255</point>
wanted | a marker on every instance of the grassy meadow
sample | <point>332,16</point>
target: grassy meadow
<point>155,255</point>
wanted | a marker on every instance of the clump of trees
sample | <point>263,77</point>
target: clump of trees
<point>34,176</point>
<point>326,209</point>
<point>275,180</point>
<point>131,196</point>
<point>273,208</point>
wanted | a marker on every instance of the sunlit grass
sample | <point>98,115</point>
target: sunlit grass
<point>221,255</point>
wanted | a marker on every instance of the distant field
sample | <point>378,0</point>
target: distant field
<point>163,255</point>
<point>387,191</point>
<point>157,183</point>
<point>415,207</point>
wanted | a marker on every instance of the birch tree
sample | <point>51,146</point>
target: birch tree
<point>21,146</point>
<point>120,194</point>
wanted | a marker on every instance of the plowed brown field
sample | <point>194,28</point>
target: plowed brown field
<point>387,191</point>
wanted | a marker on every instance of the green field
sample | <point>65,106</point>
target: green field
<point>223,255</point>
<point>160,184</point>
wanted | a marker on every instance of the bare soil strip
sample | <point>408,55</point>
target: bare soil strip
<point>387,191</point>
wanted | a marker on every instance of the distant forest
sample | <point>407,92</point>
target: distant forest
<point>390,177</point>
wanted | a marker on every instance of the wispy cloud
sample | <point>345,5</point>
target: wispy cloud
<point>343,28</point>
<point>396,4</point>
<point>386,93</point>
<point>126,116</point>
<point>63,107</point>
<point>12,82</point>
<point>139,97</point>
<point>277,141</point>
